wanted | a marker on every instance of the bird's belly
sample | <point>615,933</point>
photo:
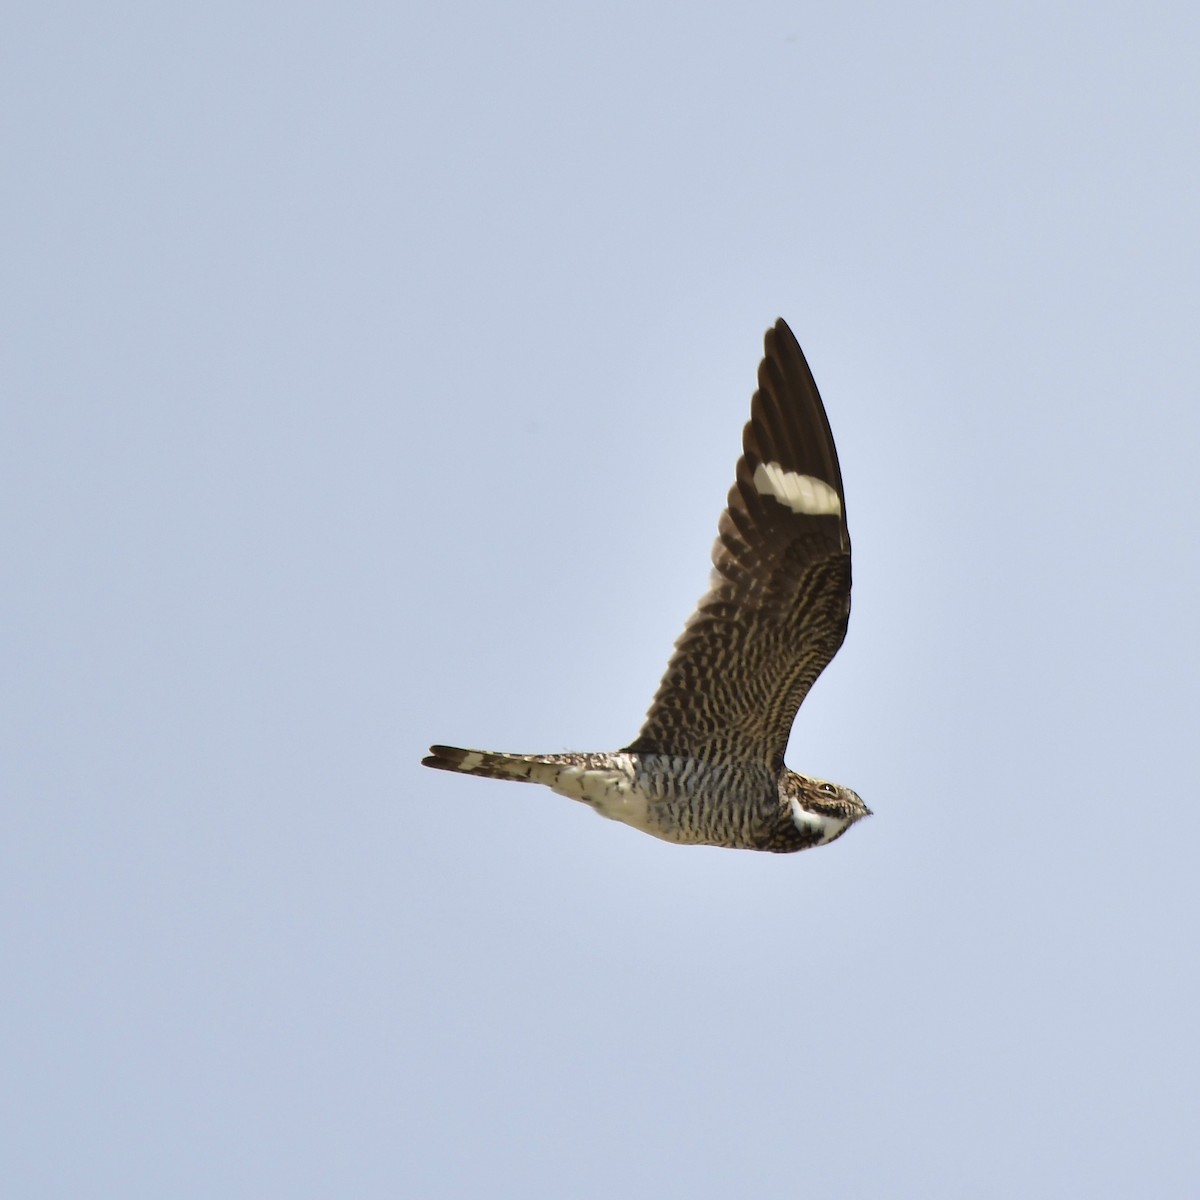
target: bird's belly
<point>611,794</point>
<point>697,816</point>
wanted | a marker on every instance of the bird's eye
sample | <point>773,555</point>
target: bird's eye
<point>829,789</point>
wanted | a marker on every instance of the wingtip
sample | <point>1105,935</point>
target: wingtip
<point>783,331</point>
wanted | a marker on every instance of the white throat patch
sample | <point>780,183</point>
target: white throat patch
<point>804,494</point>
<point>826,828</point>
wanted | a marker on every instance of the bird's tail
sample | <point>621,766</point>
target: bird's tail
<point>522,767</point>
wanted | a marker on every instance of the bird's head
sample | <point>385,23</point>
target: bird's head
<point>820,809</point>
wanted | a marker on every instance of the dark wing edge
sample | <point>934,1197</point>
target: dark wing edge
<point>779,600</point>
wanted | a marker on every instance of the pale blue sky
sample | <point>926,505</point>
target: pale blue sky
<point>373,375</point>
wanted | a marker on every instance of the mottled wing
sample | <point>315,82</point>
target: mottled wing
<point>777,609</point>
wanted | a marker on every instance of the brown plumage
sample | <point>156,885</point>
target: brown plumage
<point>707,766</point>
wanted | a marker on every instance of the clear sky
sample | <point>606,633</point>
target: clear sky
<point>373,375</point>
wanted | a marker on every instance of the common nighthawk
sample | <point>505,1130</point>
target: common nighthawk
<point>707,767</point>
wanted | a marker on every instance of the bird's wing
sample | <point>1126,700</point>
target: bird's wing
<point>777,608</point>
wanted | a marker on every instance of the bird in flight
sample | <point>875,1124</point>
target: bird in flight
<point>707,767</point>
